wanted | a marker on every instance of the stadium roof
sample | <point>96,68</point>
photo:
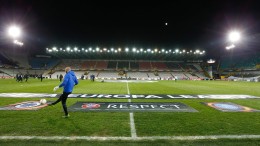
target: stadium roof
<point>177,24</point>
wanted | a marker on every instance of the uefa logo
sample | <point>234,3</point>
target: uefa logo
<point>90,106</point>
<point>28,105</point>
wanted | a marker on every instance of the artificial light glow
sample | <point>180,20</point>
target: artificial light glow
<point>14,31</point>
<point>211,61</point>
<point>230,47</point>
<point>234,36</point>
<point>18,43</point>
<point>126,49</point>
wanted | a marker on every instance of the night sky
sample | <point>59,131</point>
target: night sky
<point>191,23</point>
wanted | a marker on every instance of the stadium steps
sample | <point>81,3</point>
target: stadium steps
<point>2,72</point>
<point>172,75</point>
<point>184,71</point>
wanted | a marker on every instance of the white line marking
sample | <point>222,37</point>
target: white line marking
<point>128,92</point>
<point>131,138</point>
<point>131,115</point>
<point>132,124</point>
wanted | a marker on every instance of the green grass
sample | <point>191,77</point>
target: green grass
<point>208,121</point>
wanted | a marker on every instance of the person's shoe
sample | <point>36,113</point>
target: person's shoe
<point>49,104</point>
<point>66,116</point>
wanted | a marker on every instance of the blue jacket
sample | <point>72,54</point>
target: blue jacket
<point>69,81</point>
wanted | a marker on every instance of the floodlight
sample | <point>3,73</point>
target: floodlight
<point>230,47</point>
<point>18,43</point>
<point>211,61</point>
<point>234,36</point>
<point>14,31</point>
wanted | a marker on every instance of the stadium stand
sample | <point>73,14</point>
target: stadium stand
<point>138,75</point>
<point>159,66</point>
<point>240,61</point>
<point>165,75</point>
<point>101,65</point>
<point>112,65</point>
<point>91,65</point>
<point>145,66</point>
<point>108,75</point>
<point>173,66</point>
<point>19,57</point>
<point>134,65</point>
<point>42,63</point>
<point>123,65</point>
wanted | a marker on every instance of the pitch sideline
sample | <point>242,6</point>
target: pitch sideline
<point>209,137</point>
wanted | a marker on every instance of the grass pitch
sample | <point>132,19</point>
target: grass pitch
<point>208,121</point>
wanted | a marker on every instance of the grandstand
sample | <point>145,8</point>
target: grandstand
<point>51,65</point>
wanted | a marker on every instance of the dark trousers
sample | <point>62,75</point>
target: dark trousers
<point>63,99</point>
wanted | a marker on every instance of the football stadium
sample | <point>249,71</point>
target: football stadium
<point>133,83</point>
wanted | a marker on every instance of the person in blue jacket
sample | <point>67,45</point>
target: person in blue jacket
<point>70,80</point>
